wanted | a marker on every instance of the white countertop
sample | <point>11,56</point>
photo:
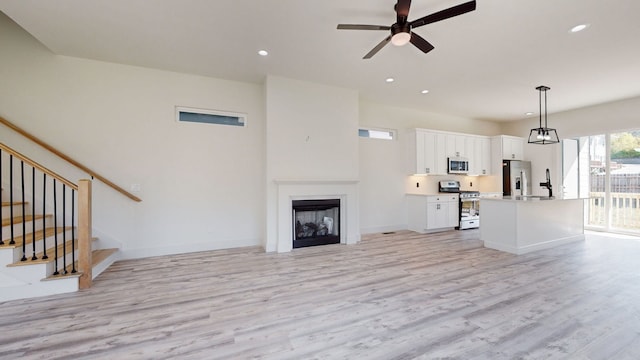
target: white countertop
<point>531,198</point>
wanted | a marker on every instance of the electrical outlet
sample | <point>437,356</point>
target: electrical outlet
<point>470,183</point>
<point>417,184</point>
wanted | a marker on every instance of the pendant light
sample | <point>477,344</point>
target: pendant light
<point>543,135</point>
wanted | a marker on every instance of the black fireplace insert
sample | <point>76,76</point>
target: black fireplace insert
<point>316,222</point>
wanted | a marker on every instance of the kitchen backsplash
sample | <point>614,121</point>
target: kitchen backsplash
<point>428,184</point>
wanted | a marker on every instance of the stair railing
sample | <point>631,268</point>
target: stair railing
<point>60,192</point>
<point>75,163</point>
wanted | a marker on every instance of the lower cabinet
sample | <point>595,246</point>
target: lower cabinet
<point>429,213</point>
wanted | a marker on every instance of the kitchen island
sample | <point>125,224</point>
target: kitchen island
<point>523,224</point>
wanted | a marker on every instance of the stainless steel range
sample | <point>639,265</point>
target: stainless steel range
<point>469,207</point>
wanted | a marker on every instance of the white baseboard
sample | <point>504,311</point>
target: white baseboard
<point>519,250</point>
<point>381,229</point>
<point>187,248</point>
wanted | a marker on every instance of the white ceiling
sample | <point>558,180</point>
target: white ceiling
<point>486,64</point>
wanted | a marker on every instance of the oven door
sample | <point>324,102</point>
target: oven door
<point>469,213</point>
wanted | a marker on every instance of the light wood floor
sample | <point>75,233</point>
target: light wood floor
<point>399,296</point>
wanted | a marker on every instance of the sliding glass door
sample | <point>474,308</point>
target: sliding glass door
<point>610,164</point>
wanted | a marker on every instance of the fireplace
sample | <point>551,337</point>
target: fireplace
<point>281,229</point>
<point>316,222</point>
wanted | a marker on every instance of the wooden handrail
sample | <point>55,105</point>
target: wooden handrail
<point>38,166</point>
<point>68,159</point>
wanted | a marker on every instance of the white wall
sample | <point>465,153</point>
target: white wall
<point>311,134</point>
<point>384,179</point>
<point>202,185</point>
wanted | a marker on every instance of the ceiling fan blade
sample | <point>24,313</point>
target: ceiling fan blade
<point>377,48</point>
<point>402,10</point>
<point>445,14</point>
<point>362,27</point>
<point>421,43</point>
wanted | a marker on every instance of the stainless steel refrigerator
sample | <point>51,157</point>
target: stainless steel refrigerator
<point>516,177</point>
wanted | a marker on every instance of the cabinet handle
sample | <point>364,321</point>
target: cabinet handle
<point>426,170</point>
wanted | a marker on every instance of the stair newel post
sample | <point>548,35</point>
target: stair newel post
<point>55,229</point>
<point>84,233</point>
<point>44,217</point>
<point>33,212</point>
<point>24,222</point>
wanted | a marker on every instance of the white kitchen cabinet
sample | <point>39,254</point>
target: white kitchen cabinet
<point>512,148</point>
<point>456,145</point>
<point>427,153</point>
<point>504,147</point>
<point>483,159</point>
<point>429,213</point>
<point>479,155</point>
<point>429,149</point>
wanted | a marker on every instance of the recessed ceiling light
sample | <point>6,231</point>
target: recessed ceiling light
<point>578,28</point>
<point>390,80</point>
<point>528,113</point>
<point>424,91</point>
<point>263,53</point>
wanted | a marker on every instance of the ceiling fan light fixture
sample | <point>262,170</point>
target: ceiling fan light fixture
<point>401,39</point>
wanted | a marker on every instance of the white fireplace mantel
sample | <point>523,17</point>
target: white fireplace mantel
<point>300,189</point>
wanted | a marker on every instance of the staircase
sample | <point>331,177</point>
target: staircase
<point>40,251</point>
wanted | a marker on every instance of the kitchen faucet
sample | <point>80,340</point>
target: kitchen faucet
<point>547,184</point>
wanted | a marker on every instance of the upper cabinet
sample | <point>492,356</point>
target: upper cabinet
<point>457,145</point>
<point>429,150</point>
<point>505,147</point>
<point>427,153</point>
<point>512,147</point>
<point>480,161</point>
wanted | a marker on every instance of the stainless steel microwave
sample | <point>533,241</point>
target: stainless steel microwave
<point>457,165</point>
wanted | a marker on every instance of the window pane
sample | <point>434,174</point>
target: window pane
<point>597,167</point>
<point>204,116</point>
<point>376,134</point>
<point>625,180</point>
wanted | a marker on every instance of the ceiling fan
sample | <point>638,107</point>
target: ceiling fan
<point>401,32</point>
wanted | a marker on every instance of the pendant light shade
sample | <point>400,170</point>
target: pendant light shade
<point>543,135</point>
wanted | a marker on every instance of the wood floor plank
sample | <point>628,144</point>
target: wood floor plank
<point>397,296</point>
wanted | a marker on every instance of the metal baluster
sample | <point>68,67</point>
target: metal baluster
<point>24,218</point>
<point>73,233</point>
<point>64,228</point>
<point>1,241</point>
<point>33,211</point>
<point>13,241</point>
<point>55,227</point>
<point>44,215</point>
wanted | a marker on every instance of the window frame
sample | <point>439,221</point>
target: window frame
<point>242,117</point>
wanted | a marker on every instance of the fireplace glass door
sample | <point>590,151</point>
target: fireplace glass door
<point>316,222</point>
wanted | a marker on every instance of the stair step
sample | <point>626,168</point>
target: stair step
<point>8,203</point>
<point>19,219</point>
<point>40,234</point>
<point>62,249</point>
<point>97,256</point>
